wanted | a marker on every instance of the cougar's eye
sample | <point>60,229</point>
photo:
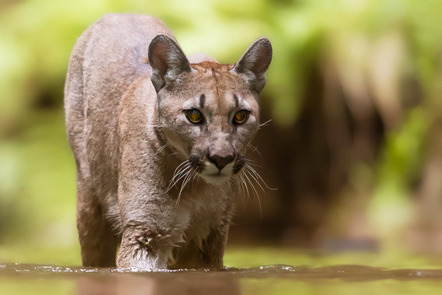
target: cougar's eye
<point>194,116</point>
<point>240,117</point>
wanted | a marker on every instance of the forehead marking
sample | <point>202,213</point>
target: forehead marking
<point>214,75</point>
<point>202,101</point>
<point>236,100</point>
<point>216,86</point>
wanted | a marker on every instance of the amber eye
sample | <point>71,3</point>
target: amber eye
<point>240,117</point>
<point>194,116</point>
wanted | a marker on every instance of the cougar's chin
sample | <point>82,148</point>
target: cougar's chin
<point>215,179</point>
<point>212,175</point>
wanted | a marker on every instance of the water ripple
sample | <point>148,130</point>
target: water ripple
<point>346,272</point>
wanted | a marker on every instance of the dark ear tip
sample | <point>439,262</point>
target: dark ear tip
<point>161,38</point>
<point>158,40</point>
<point>154,41</point>
<point>265,43</point>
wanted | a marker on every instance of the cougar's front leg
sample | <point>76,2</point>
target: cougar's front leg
<point>214,247</point>
<point>144,247</point>
<point>152,227</point>
<point>209,254</point>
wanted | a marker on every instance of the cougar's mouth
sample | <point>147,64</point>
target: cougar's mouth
<point>210,172</point>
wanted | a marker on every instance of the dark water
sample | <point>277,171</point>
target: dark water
<point>274,279</point>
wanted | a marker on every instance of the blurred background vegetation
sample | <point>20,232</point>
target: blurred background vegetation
<point>354,147</point>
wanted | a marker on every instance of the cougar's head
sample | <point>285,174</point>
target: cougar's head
<point>208,112</point>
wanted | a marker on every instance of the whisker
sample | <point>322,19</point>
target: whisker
<point>253,163</point>
<point>252,170</point>
<point>186,180</point>
<point>183,172</point>
<point>254,149</point>
<point>195,176</point>
<point>244,183</point>
<point>266,123</point>
<point>180,165</point>
<point>256,193</point>
<point>160,150</point>
<point>254,178</point>
<point>174,154</point>
<point>244,188</point>
<point>237,186</point>
<point>178,174</point>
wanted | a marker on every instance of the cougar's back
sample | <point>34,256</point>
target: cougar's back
<point>106,59</point>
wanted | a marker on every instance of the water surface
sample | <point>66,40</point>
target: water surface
<point>273,279</point>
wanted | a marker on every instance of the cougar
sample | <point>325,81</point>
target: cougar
<point>159,142</point>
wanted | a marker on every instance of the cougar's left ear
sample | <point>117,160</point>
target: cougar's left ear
<point>167,60</point>
<point>254,63</point>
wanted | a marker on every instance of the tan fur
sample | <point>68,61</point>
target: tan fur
<point>132,141</point>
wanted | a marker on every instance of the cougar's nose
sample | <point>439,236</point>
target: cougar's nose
<point>221,161</point>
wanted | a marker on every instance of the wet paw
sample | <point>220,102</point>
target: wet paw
<point>154,241</point>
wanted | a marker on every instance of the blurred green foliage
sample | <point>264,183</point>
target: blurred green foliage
<point>37,178</point>
<point>37,36</point>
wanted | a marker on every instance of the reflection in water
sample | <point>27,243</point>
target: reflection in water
<point>261,280</point>
<point>139,284</point>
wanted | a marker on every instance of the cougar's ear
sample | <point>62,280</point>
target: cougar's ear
<point>254,63</point>
<point>167,60</point>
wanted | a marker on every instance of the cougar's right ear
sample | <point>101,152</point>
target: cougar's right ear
<point>167,60</point>
<point>254,63</point>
